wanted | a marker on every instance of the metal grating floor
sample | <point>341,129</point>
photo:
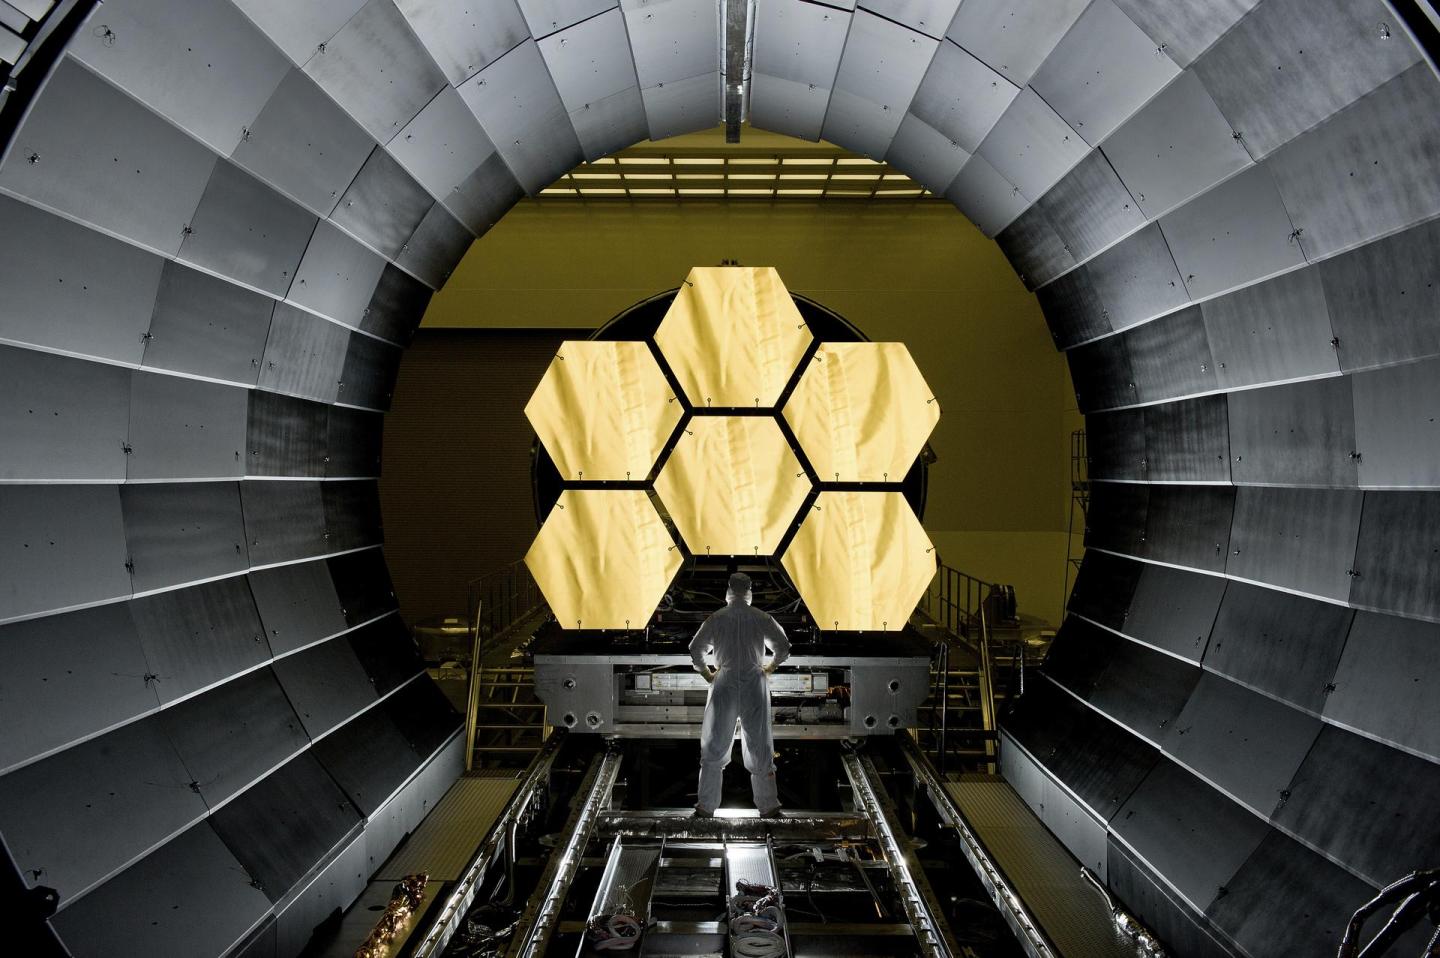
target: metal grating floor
<point>447,839</point>
<point>1068,909</point>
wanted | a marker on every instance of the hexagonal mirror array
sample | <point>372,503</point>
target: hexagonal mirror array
<point>733,480</point>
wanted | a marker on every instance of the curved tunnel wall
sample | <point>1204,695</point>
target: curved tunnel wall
<point>222,220</point>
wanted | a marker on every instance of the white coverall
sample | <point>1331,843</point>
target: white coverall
<point>738,635</point>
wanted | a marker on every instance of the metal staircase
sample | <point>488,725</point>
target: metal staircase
<point>505,722</point>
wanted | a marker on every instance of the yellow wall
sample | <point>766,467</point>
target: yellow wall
<point>917,272</point>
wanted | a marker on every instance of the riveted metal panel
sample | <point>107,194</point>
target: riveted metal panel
<point>363,583</point>
<point>353,439</point>
<point>1136,279</point>
<point>337,275</point>
<point>397,306</point>
<point>198,63</point>
<point>190,897</point>
<point>1079,655</point>
<point>263,941</point>
<point>930,17</point>
<point>297,605</point>
<point>77,816</point>
<point>185,429</point>
<point>1174,610</point>
<point>1300,434</point>
<point>785,106</point>
<point>1385,680</point>
<point>304,145</point>
<point>284,436</point>
<point>463,40</point>
<point>1178,146</point>
<point>424,716</point>
<point>298,28</point>
<point>196,637</point>
<point>1171,356</point>
<point>283,520</point>
<point>929,157</point>
<point>247,232</point>
<point>61,419</point>
<point>1272,331</point>
<point>612,123</point>
<point>443,144</point>
<point>484,196</point>
<point>799,42</point>
<point>369,758</point>
<point>232,736</point>
<point>71,288</point>
<point>1089,208</point>
<point>1396,563</point>
<point>377,69</point>
<point>338,886</point>
<point>1072,308</point>
<point>546,16</point>
<point>286,825</point>
<point>1115,517</point>
<point>1031,145</point>
<point>352,514</point>
<point>104,159</point>
<point>987,198</point>
<point>1101,373</point>
<point>1077,829</point>
<point>883,63</point>
<point>384,204</point>
<point>1185,30</point>
<point>1399,792</point>
<point>1190,525</point>
<point>673,40</point>
<point>182,532</point>
<point>1147,897</point>
<point>682,106</point>
<point>386,652</point>
<point>1038,254</point>
<point>1143,689</point>
<point>1013,36</point>
<point>435,248</point>
<point>1104,587</point>
<point>1281,644</point>
<point>368,376</point>
<point>1241,742</point>
<point>1311,57</point>
<point>1116,444</point>
<point>518,106</point>
<point>326,684</point>
<point>1368,170</point>
<point>60,546</point>
<point>304,355</point>
<point>1383,299</point>
<point>1302,539</point>
<point>1103,70</point>
<point>206,326</point>
<point>859,125</point>
<point>961,97</point>
<point>1233,235</point>
<point>590,60</point>
<point>1188,440</point>
<point>68,676</point>
<point>1163,819</point>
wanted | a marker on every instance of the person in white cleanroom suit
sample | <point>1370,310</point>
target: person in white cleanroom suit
<point>739,687</point>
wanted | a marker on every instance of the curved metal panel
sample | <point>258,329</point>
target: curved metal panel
<point>83,131</point>
<point>60,547</point>
<point>1101,373</point>
<point>880,70</point>
<point>961,97</point>
<point>435,248</point>
<point>326,684</point>
<point>284,436</point>
<point>1030,144</point>
<point>284,521</point>
<point>1116,444</point>
<point>443,144</point>
<point>859,125</point>
<point>784,106</point>
<point>1271,332</point>
<point>611,123</point>
<point>682,106</point>
<point>185,429</point>
<point>1104,587</point>
<point>1188,441</point>
<point>1190,525</point>
<point>929,17</point>
<point>484,196</point>
<point>182,532</point>
<point>1174,611</point>
<point>1185,30</point>
<point>337,276</point>
<point>987,198</point>
<point>1171,356</point>
<point>304,355</point>
<point>369,757</point>
<point>368,375</point>
<point>929,157</point>
<point>1142,689</point>
<point>376,68</point>
<point>298,28</point>
<point>304,144</point>
<point>1115,518</point>
<point>424,715</point>
<point>1071,305</point>
<point>1283,645</point>
<point>1245,744</point>
<point>386,652</point>
<point>246,231</point>
<point>1397,566</point>
<point>1385,680</point>
<point>1036,252</point>
<point>196,637</point>
<point>397,305</point>
<point>352,514</point>
<point>1302,539</point>
<point>1395,431</point>
<point>1013,36</point>
<point>1383,298</point>
<point>71,288</point>
<point>464,40</point>
<point>1089,208</point>
<point>383,205</point>
<point>673,40</point>
<point>68,676</point>
<point>61,418</point>
<point>1079,655</point>
<point>297,605</point>
<point>352,442</point>
<point>206,326</point>
<point>1150,900</point>
<point>339,885</point>
<point>798,42</point>
<point>363,583</point>
<point>590,60</point>
<point>1303,434</point>
<point>1136,279</point>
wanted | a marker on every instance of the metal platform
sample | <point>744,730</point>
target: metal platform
<point>446,840</point>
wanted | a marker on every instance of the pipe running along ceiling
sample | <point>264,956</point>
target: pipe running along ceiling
<point>224,218</point>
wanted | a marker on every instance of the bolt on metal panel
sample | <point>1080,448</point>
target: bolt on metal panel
<point>674,40</point>
<point>590,60</point>
<point>182,532</point>
<point>544,17</point>
<point>284,436</point>
<point>928,156</point>
<point>61,419</point>
<point>434,249</point>
<point>199,63</point>
<point>337,275</point>
<point>1031,145</point>
<point>297,605</point>
<point>1271,331</point>
<point>1101,372</point>
<point>1395,432</point>
<point>1104,587</point>
<point>1171,356</point>
<point>1073,310</point>
<point>1174,610</point>
<point>611,123</point>
<point>384,204</point>
<point>352,443</point>
<point>799,42</point>
<point>1383,298</point>
<point>1013,36</point>
<point>207,327</point>
<point>1301,539</point>
<point>92,153</point>
<point>1183,929</point>
<point>464,40</point>
<point>369,758</point>
<point>284,521</point>
<point>1142,689</point>
<point>1117,444</point>
<point>185,429</point>
<point>376,68</point>
<point>1090,208</point>
<point>1396,563</point>
<point>989,200</point>
<point>397,305</point>
<point>1176,147</point>
<point>859,125</point>
<point>386,652</point>
<point>1385,680</point>
<point>304,145</point>
<point>883,63</point>
<point>1103,70</point>
<point>930,17</point>
<point>1035,250</point>
<point>1115,517</point>
<point>326,684</point>
<point>1301,434</point>
<point>962,97</point>
<point>352,514</point>
<point>368,376</point>
<point>682,106</point>
<point>1076,827</point>
<point>298,28</point>
<point>304,355</point>
<point>1136,279</point>
<point>60,547</point>
<point>1190,525</point>
<point>442,145</point>
<point>1183,31</point>
<point>484,196</point>
<point>362,581</point>
<point>785,106</point>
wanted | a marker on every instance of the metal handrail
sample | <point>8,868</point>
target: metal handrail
<point>496,603</point>
<point>956,602</point>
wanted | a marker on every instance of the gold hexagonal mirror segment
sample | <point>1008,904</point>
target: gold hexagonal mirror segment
<point>604,410</point>
<point>862,412</point>
<point>733,336</point>
<point>732,485</point>
<point>603,559</point>
<point>861,561</point>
